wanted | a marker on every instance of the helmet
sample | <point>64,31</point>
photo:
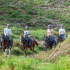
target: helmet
<point>26,27</point>
<point>8,24</point>
<point>62,25</point>
<point>49,25</point>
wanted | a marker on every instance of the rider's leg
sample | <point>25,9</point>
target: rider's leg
<point>30,41</point>
<point>54,41</point>
<point>64,36</point>
<point>10,45</point>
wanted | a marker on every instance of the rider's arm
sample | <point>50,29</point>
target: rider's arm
<point>10,32</point>
<point>5,31</point>
<point>24,33</point>
<point>59,32</point>
<point>47,32</point>
<point>52,31</point>
<point>64,31</point>
<point>29,32</point>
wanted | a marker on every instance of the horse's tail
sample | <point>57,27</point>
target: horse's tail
<point>36,42</point>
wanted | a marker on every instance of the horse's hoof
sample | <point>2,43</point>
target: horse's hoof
<point>9,56</point>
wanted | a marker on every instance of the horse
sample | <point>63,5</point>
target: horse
<point>25,45</point>
<point>60,39</point>
<point>48,42</point>
<point>5,44</point>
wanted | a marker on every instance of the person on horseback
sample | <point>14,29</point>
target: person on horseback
<point>27,35</point>
<point>62,31</point>
<point>50,34</point>
<point>8,33</point>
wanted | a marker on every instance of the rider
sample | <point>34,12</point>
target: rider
<point>8,32</point>
<point>62,31</point>
<point>27,35</point>
<point>50,33</point>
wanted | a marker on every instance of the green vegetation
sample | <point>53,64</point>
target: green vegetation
<point>37,14</point>
<point>22,63</point>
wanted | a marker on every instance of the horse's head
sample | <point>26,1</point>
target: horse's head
<point>45,38</point>
<point>50,39</point>
<point>2,36</point>
<point>22,39</point>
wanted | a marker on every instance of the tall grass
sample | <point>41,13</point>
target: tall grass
<point>22,63</point>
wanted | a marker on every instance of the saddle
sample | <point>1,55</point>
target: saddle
<point>7,40</point>
<point>50,39</point>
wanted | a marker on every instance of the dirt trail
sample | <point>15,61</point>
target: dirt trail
<point>41,42</point>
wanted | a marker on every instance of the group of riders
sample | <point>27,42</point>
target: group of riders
<point>50,32</point>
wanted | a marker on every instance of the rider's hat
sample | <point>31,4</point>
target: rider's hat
<point>26,27</point>
<point>8,25</point>
<point>49,25</point>
<point>61,25</point>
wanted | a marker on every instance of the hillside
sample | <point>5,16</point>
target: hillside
<point>37,14</point>
<point>63,50</point>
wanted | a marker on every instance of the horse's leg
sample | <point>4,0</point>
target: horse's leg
<point>32,50</point>
<point>25,51</point>
<point>9,52</point>
<point>33,46</point>
<point>5,52</point>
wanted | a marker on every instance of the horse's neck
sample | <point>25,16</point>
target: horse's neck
<point>35,42</point>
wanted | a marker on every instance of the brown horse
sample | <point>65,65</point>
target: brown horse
<point>5,44</point>
<point>25,45</point>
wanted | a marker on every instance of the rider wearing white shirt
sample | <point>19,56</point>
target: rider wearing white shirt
<point>27,35</point>
<point>7,32</point>
<point>27,32</point>
<point>62,31</point>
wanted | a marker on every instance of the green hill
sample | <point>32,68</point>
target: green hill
<point>37,14</point>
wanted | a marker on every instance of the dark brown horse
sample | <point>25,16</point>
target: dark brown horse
<point>48,42</point>
<point>5,44</point>
<point>25,45</point>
